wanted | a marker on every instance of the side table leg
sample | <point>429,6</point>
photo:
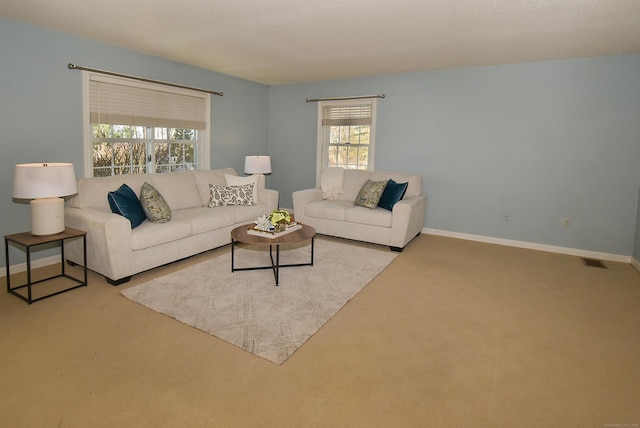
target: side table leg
<point>29,274</point>
<point>6,256</point>
<point>84,248</point>
<point>62,256</point>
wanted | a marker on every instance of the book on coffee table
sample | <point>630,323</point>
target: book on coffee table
<point>271,234</point>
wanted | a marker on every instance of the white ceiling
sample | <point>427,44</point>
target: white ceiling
<point>287,41</point>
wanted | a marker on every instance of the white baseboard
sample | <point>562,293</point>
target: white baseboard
<point>38,263</point>
<point>533,246</point>
<point>635,263</point>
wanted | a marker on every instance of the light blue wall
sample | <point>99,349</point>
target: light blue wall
<point>539,142</point>
<point>41,105</point>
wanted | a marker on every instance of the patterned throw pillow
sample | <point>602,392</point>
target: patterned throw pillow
<point>230,195</point>
<point>154,205</point>
<point>370,193</point>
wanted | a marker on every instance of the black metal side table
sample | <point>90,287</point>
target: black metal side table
<point>27,240</point>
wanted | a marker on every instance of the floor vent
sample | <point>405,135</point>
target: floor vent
<point>594,263</point>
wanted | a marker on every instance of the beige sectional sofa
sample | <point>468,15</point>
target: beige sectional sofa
<point>331,210</point>
<point>117,251</point>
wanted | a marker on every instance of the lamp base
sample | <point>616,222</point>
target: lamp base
<point>261,181</point>
<point>47,216</point>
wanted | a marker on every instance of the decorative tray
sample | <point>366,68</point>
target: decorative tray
<point>271,234</point>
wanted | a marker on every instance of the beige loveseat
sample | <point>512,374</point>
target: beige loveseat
<point>330,208</point>
<point>117,251</point>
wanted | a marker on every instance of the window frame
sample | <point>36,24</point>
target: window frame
<point>322,156</point>
<point>203,142</point>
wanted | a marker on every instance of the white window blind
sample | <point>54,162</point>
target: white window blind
<point>115,101</point>
<point>347,115</point>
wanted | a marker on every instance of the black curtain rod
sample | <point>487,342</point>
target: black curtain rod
<point>142,79</point>
<point>313,100</point>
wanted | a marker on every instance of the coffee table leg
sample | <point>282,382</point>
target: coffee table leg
<point>313,239</point>
<point>233,244</point>
<point>277,264</point>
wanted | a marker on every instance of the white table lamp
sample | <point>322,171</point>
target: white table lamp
<point>45,184</point>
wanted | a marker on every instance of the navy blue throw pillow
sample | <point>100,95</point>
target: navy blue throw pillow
<point>392,194</point>
<point>125,202</point>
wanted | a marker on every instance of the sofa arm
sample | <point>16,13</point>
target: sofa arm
<point>301,198</point>
<point>269,197</point>
<point>407,220</point>
<point>108,241</point>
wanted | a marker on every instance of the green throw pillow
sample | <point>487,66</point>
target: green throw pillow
<point>154,205</point>
<point>370,193</point>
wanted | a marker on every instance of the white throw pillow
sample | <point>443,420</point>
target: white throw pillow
<point>331,183</point>
<point>234,180</point>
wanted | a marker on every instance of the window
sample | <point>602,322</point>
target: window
<point>137,127</point>
<point>346,134</point>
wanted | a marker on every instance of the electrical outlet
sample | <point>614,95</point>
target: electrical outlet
<point>566,223</point>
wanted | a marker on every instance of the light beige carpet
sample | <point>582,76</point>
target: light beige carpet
<point>246,308</point>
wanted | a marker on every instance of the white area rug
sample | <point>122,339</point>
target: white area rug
<point>247,309</point>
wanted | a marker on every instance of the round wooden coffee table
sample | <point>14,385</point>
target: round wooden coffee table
<point>239,234</point>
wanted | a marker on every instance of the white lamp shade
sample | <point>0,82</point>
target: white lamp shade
<point>257,165</point>
<point>44,180</point>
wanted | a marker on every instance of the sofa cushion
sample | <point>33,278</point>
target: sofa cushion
<point>154,204</point>
<point>362,215</point>
<point>92,192</point>
<point>352,182</point>
<point>331,210</point>
<point>150,234</point>
<point>234,180</point>
<point>125,202</point>
<point>370,193</point>
<point>392,194</point>
<point>414,186</point>
<point>231,195</point>
<point>247,214</point>
<point>179,189</point>
<point>203,220</point>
